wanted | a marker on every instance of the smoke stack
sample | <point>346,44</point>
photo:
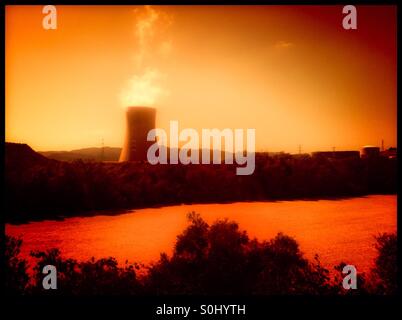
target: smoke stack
<point>140,120</point>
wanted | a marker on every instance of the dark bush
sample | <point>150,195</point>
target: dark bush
<point>92,277</point>
<point>385,265</point>
<point>221,259</point>
<point>16,276</point>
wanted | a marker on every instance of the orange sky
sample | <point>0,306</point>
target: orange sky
<point>292,73</point>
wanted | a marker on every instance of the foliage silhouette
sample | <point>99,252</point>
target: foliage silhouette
<point>385,267</point>
<point>54,189</point>
<point>16,276</point>
<point>221,259</point>
<point>92,277</point>
<point>217,259</point>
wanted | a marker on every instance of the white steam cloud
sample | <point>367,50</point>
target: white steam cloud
<point>145,87</point>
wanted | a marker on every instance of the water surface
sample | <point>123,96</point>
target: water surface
<point>337,230</point>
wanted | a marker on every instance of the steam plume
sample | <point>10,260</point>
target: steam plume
<point>145,85</point>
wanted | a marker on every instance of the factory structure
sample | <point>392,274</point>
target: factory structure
<point>139,121</point>
<point>336,154</point>
<point>366,152</point>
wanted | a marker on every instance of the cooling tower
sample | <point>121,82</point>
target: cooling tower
<point>139,121</point>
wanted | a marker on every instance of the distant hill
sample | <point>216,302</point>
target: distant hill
<point>22,155</point>
<point>95,154</point>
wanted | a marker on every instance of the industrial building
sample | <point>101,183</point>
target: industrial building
<point>140,120</point>
<point>390,153</point>
<point>336,154</point>
<point>370,152</point>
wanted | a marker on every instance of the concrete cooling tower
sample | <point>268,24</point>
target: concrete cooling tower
<point>139,121</point>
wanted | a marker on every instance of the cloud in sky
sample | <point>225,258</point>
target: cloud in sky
<point>283,44</point>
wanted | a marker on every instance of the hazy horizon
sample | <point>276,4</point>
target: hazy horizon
<point>292,73</point>
<point>257,151</point>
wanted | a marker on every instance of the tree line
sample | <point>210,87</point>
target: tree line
<point>51,189</point>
